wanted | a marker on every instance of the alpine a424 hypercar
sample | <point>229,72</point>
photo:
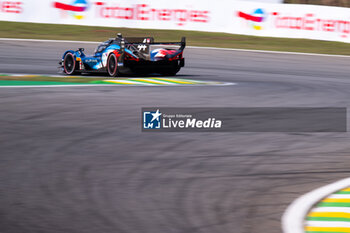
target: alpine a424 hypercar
<point>123,55</point>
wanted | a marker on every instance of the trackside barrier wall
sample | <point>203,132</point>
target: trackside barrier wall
<point>230,16</point>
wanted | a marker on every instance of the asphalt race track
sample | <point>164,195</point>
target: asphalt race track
<point>74,159</point>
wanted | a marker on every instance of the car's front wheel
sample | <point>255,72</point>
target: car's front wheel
<point>112,65</point>
<point>69,64</point>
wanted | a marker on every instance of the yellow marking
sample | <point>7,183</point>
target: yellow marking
<point>121,81</point>
<point>29,76</point>
<point>328,229</point>
<point>150,81</point>
<point>329,214</point>
<point>174,80</point>
<point>346,190</point>
<point>336,200</point>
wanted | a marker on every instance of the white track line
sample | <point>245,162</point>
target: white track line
<point>192,47</point>
<point>339,196</point>
<point>328,224</point>
<point>294,217</point>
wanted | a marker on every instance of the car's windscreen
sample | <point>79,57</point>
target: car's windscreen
<point>100,48</point>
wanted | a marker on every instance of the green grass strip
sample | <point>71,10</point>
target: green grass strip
<point>343,192</point>
<point>333,204</point>
<point>99,82</point>
<point>328,219</point>
<point>194,38</point>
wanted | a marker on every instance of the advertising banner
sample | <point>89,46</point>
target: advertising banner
<point>160,14</point>
<point>230,16</point>
<point>292,21</point>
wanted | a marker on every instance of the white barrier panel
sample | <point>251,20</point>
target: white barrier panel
<point>237,17</point>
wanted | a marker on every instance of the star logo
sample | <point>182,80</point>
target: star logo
<point>156,115</point>
<point>152,120</point>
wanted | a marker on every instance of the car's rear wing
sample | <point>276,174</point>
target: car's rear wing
<point>140,47</point>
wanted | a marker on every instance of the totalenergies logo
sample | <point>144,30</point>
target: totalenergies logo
<point>255,19</point>
<point>76,9</point>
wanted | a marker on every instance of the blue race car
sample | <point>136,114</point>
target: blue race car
<point>124,55</point>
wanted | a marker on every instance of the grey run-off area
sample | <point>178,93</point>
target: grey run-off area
<point>75,160</point>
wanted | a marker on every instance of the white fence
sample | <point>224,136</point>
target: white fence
<point>230,16</point>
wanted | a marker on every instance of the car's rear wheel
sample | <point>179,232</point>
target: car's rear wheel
<point>69,64</point>
<point>112,65</point>
<point>172,70</point>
